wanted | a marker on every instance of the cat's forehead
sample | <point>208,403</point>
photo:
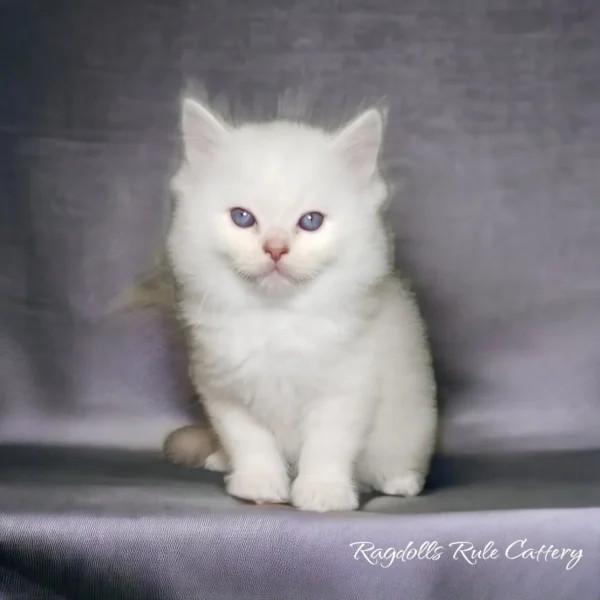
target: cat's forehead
<point>280,145</point>
<point>280,166</point>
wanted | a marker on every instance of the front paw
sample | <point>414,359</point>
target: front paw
<point>259,486</point>
<point>324,496</point>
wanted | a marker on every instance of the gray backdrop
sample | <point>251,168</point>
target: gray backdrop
<point>494,135</point>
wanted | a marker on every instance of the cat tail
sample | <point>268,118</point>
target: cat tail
<point>191,445</point>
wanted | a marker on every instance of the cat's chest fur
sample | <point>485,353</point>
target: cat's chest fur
<point>273,361</point>
<point>260,353</point>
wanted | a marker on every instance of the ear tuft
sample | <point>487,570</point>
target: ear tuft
<point>359,143</point>
<point>203,132</point>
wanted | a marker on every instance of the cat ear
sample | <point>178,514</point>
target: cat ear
<point>359,143</point>
<point>202,131</point>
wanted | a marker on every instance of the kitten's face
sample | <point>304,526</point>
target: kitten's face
<point>277,205</point>
<point>276,245</point>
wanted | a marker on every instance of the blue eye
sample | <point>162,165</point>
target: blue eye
<point>311,221</point>
<point>242,218</point>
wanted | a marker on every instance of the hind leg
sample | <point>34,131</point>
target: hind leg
<point>409,483</point>
<point>217,461</point>
<point>398,452</point>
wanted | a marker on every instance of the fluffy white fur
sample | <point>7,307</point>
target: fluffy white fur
<point>318,379</point>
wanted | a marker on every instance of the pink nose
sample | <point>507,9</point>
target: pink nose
<point>275,252</point>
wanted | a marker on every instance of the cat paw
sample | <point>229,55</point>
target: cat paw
<point>410,483</point>
<point>217,461</point>
<point>319,496</point>
<point>258,486</point>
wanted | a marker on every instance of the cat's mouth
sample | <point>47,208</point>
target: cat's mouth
<point>275,272</point>
<point>274,275</point>
<point>278,275</point>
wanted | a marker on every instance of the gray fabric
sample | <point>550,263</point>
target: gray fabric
<point>494,135</point>
<point>128,526</point>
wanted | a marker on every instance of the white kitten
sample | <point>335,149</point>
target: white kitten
<point>309,354</point>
